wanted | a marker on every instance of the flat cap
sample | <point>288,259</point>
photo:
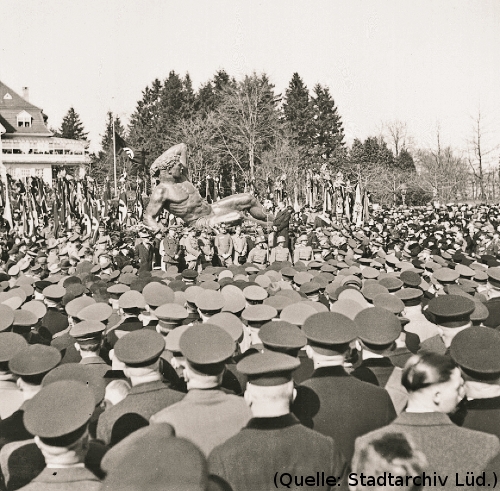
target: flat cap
<point>189,274</point>
<point>310,288</point>
<point>230,323</point>
<point>132,300</point>
<point>95,312</point>
<point>11,343</point>
<point>54,292</point>
<point>279,302</point>
<point>186,469</point>
<point>140,347</point>
<point>259,313</point>
<point>59,409</point>
<point>377,326</point>
<point>476,350</point>
<point>391,283</point>
<point>156,294</point>
<point>409,296</point>
<point>118,289</point>
<point>389,302</point>
<point>173,338</point>
<point>410,279</point>
<point>493,276</point>
<point>269,368</point>
<point>36,359</point>
<point>210,301</point>
<point>87,329</point>
<point>446,275</point>
<point>255,293</point>
<point>206,344</point>
<point>6,317</point>
<point>282,335</point>
<point>302,277</point>
<point>328,329</point>
<point>297,313</point>
<point>451,310</point>
<point>24,318</point>
<point>234,300</point>
<point>347,307</point>
<point>75,306</point>
<point>371,290</point>
<point>192,293</point>
<point>78,373</point>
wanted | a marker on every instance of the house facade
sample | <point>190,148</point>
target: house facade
<point>28,147</point>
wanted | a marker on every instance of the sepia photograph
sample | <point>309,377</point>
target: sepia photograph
<point>249,245</point>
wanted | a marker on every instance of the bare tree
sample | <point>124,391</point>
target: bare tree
<point>248,120</point>
<point>479,156</point>
<point>396,134</point>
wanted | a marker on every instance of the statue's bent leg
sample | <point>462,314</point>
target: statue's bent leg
<point>153,209</point>
<point>242,202</point>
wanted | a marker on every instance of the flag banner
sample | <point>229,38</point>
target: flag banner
<point>122,207</point>
<point>121,146</point>
<point>55,214</point>
<point>7,211</point>
<point>366,204</point>
<point>357,216</point>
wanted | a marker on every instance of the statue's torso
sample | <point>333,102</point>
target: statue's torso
<point>184,200</point>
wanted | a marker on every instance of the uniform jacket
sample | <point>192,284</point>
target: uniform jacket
<point>341,406</point>
<point>239,244</point>
<point>282,221</point>
<point>258,256</point>
<point>12,428</point>
<point>96,364</point>
<point>302,253</point>
<point>279,254</point>
<point>206,417</point>
<point>144,255</point>
<point>21,462</point>
<point>449,449</point>
<point>250,459</point>
<point>170,249</point>
<point>224,244</point>
<point>480,415</point>
<point>134,411</point>
<point>68,479</point>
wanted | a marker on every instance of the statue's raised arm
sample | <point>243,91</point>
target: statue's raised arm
<point>177,194</point>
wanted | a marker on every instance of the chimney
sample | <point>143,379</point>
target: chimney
<point>26,94</point>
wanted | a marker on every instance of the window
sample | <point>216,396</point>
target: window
<point>25,172</point>
<point>7,97</point>
<point>24,120</point>
<point>39,172</point>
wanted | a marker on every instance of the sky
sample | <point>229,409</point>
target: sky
<point>433,65</point>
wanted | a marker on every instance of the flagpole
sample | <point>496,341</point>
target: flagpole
<point>114,153</point>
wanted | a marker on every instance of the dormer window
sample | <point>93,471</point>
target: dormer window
<point>24,120</point>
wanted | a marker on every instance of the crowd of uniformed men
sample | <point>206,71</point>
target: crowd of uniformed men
<point>249,358</point>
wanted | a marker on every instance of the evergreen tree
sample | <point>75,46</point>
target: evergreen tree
<point>72,127</point>
<point>211,93</point>
<point>297,110</point>
<point>404,161</point>
<point>326,130</point>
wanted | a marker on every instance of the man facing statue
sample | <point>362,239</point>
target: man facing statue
<point>178,195</point>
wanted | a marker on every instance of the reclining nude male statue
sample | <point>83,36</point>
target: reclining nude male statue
<point>176,193</point>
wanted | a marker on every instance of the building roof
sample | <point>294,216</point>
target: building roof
<point>11,105</point>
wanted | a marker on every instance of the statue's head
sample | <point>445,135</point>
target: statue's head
<point>170,166</point>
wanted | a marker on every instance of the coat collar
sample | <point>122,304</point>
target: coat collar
<point>276,423</point>
<point>335,371</point>
<point>423,419</point>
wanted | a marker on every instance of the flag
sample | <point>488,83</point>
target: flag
<point>366,204</point>
<point>121,146</point>
<point>357,215</point>
<point>7,211</point>
<point>55,214</point>
<point>122,207</point>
